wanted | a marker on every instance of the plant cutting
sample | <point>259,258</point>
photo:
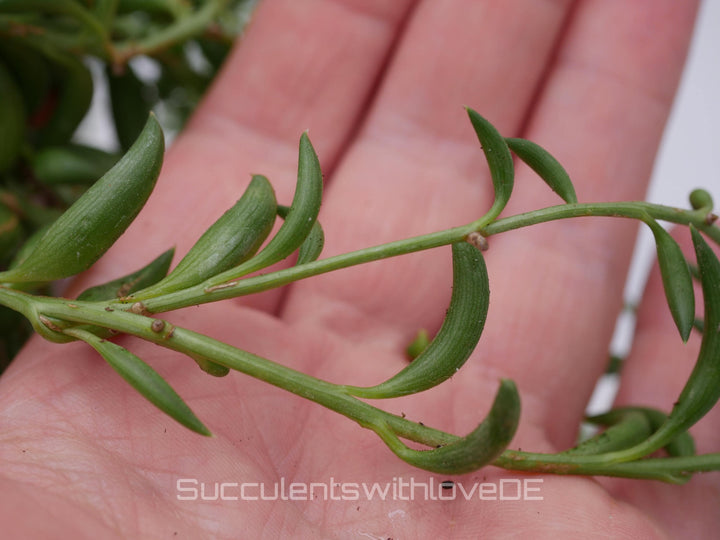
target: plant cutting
<point>381,104</point>
<point>218,268</point>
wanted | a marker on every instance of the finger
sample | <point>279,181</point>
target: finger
<point>415,166</point>
<point>612,85</point>
<point>653,375</point>
<point>555,290</point>
<point>298,67</point>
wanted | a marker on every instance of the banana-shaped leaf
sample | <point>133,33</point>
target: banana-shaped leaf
<point>89,227</point>
<point>683,443</point>
<point>676,278</point>
<point>702,389</point>
<point>233,238</point>
<point>126,285</point>
<point>144,379</point>
<point>473,451</point>
<point>298,223</point>
<point>499,161</point>
<point>546,166</point>
<point>313,244</point>
<point>457,337</point>
<point>623,431</point>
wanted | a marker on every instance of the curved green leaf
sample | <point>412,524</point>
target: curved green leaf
<point>476,449</point>
<point>546,166</point>
<point>299,221</point>
<point>121,287</point>
<point>232,239</point>
<point>702,389</point>
<point>314,242</point>
<point>676,278</point>
<point>499,161</point>
<point>683,443</point>
<point>457,338</point>
<point>623,431</point>
<point>144,379</point>
<point>81,235</point>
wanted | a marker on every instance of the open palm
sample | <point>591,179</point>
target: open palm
<point>380,86</point>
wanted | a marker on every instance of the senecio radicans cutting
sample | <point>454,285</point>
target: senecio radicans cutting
<point>220,264</point>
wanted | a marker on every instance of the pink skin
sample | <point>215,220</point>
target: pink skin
<point>381,85</point>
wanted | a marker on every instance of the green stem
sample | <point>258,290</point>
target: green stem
<point>184,28</point>
<point>333,397</point>
<point>186,341</point>
<point>201,293</point>
<point>634,210</point>
<point>667,469</point>
<point>42,310</point>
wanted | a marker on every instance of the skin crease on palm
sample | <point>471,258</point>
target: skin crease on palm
<point>380,86</point>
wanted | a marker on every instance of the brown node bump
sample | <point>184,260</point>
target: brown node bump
<point>157,325</point>
<point>478,240</point>
<point>138,308</point>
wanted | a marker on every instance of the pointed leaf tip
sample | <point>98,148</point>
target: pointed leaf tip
<point>144,379</point>
<point>475,450</point>
<point>457,338</point>
<point>546,167</point>
<point>676,278</point>
<point>499,159</point>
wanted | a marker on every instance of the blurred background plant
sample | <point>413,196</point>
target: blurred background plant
<point>158,55</point>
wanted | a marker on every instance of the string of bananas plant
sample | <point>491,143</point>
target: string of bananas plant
<point>219,265</point>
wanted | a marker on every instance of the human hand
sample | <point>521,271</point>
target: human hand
<point>380,85</point>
